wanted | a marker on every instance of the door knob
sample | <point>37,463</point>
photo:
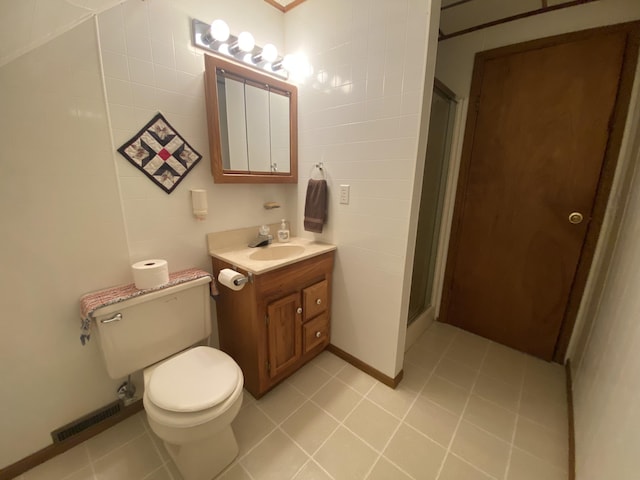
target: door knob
<point>318,301</point>
<point>299,310</point>
<point>318,334</point>
<point>575,217</point>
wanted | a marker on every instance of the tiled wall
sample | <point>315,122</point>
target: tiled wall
<point>76,214</point>
<point>360,116</point>
<point>62,236</point>
<point>150,66</point>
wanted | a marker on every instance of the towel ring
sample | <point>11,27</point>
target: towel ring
<point>320,166</point>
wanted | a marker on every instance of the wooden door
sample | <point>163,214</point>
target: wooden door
<point>285,333</point>
<point>537,134</point>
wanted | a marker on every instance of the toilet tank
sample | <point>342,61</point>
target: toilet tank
<point>153,326</point>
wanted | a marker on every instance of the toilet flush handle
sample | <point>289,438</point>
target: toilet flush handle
<point>116,318</point>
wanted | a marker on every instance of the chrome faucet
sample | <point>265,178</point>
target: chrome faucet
<point>263,239</point>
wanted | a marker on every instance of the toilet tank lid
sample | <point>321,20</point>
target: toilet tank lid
<point>194,380</point>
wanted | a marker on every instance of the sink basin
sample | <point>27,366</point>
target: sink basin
<point>277,252</point>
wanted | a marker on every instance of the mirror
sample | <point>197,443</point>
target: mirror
<point>252,122</point>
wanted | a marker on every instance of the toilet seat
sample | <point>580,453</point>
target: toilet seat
<point>194,380</point>
<point>233,382</point>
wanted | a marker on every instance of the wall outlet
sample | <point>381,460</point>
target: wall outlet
<point>344,194</point>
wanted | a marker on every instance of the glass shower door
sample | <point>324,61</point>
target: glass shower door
<point>441,122</point>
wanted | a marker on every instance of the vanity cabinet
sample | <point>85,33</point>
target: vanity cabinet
<point>277,322</point>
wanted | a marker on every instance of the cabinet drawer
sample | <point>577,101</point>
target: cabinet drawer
<point>315,299</point>
<point>315,332</point>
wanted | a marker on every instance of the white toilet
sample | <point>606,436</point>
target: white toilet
<point>191,396</point>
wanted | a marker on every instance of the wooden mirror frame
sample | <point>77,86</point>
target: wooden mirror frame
<point>220,175</point>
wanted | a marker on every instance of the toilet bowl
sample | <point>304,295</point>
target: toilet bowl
<point>191,399</point>
<point>192,394</point>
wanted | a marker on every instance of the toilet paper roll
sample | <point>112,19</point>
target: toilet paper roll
<point>227,277</point>
<point>150,273</point>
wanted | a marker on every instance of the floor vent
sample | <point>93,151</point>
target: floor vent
<point>87,421</point>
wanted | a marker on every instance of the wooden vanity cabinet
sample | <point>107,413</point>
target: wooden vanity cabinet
<point>278,322</point>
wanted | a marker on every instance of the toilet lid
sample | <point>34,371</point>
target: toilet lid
<point>197,379</point>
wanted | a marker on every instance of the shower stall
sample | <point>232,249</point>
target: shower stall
<point>436,165</point>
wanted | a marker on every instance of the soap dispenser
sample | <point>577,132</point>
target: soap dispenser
<point>283,232</point>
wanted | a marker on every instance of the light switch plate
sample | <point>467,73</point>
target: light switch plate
<point>344,194</point>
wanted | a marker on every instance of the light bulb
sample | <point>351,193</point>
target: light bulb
<point>219,30</point>
<point>269,53</point>
<point>224,48</point>
<point>246,42</point>
<point>289,62</point>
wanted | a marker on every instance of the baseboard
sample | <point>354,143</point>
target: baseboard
<point>571,418</point>
<point>368,369</point>
<point>55,449</point>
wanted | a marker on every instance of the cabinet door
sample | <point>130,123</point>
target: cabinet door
<point>284,333</point>
<point>314,299</point>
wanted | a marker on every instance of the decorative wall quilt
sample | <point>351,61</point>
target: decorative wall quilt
<point>161,153</point>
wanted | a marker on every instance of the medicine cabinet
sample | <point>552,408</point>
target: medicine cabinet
<point>252,124</point>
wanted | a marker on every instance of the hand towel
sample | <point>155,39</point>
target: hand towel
<point>315,208</point>
<point>92,301</point>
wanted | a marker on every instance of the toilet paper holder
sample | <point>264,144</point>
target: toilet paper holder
<point>245,279</point>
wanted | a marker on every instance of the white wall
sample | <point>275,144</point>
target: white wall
<point>456,55</point>
<point>607,379</point>
<point>62,236</point>
<point>75,213</point>
<point>27,24</point>
<point>360,116</point>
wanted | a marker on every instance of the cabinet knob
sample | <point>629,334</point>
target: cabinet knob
<point>318,334</point>
<point>299,310</point>
<point>318,301</point>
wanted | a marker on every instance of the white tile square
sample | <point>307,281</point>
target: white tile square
<point>372,424</point>
<point>141,71</point>
<point>337,399</point>
<point>139,46</point>
<point>448,395</point>
<point>415,454</point>
<point>274,458</point>
<point>163,53</point>
<point>309,426</point>
<point>281,402</point>
<point>491,417</point>
<point>546,444</point>
<point>481,449</point>
<point>345,456</point>
<point>432,420</point>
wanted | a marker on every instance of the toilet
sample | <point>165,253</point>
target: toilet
<point>191,394</point>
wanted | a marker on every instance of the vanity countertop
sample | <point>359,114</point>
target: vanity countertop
<point>264,259</point>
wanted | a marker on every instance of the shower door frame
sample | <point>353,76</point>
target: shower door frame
<point>424,319</point>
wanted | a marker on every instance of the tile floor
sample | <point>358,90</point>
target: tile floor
<point>467,409</point>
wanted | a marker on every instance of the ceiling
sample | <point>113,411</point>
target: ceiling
<point>458,17</point>
<point>462,16</point>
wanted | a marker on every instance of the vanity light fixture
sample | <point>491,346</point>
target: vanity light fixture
<point>217,38</point>
<point>218,31</point>
<point>246,42</point>
<point>268,54</point>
